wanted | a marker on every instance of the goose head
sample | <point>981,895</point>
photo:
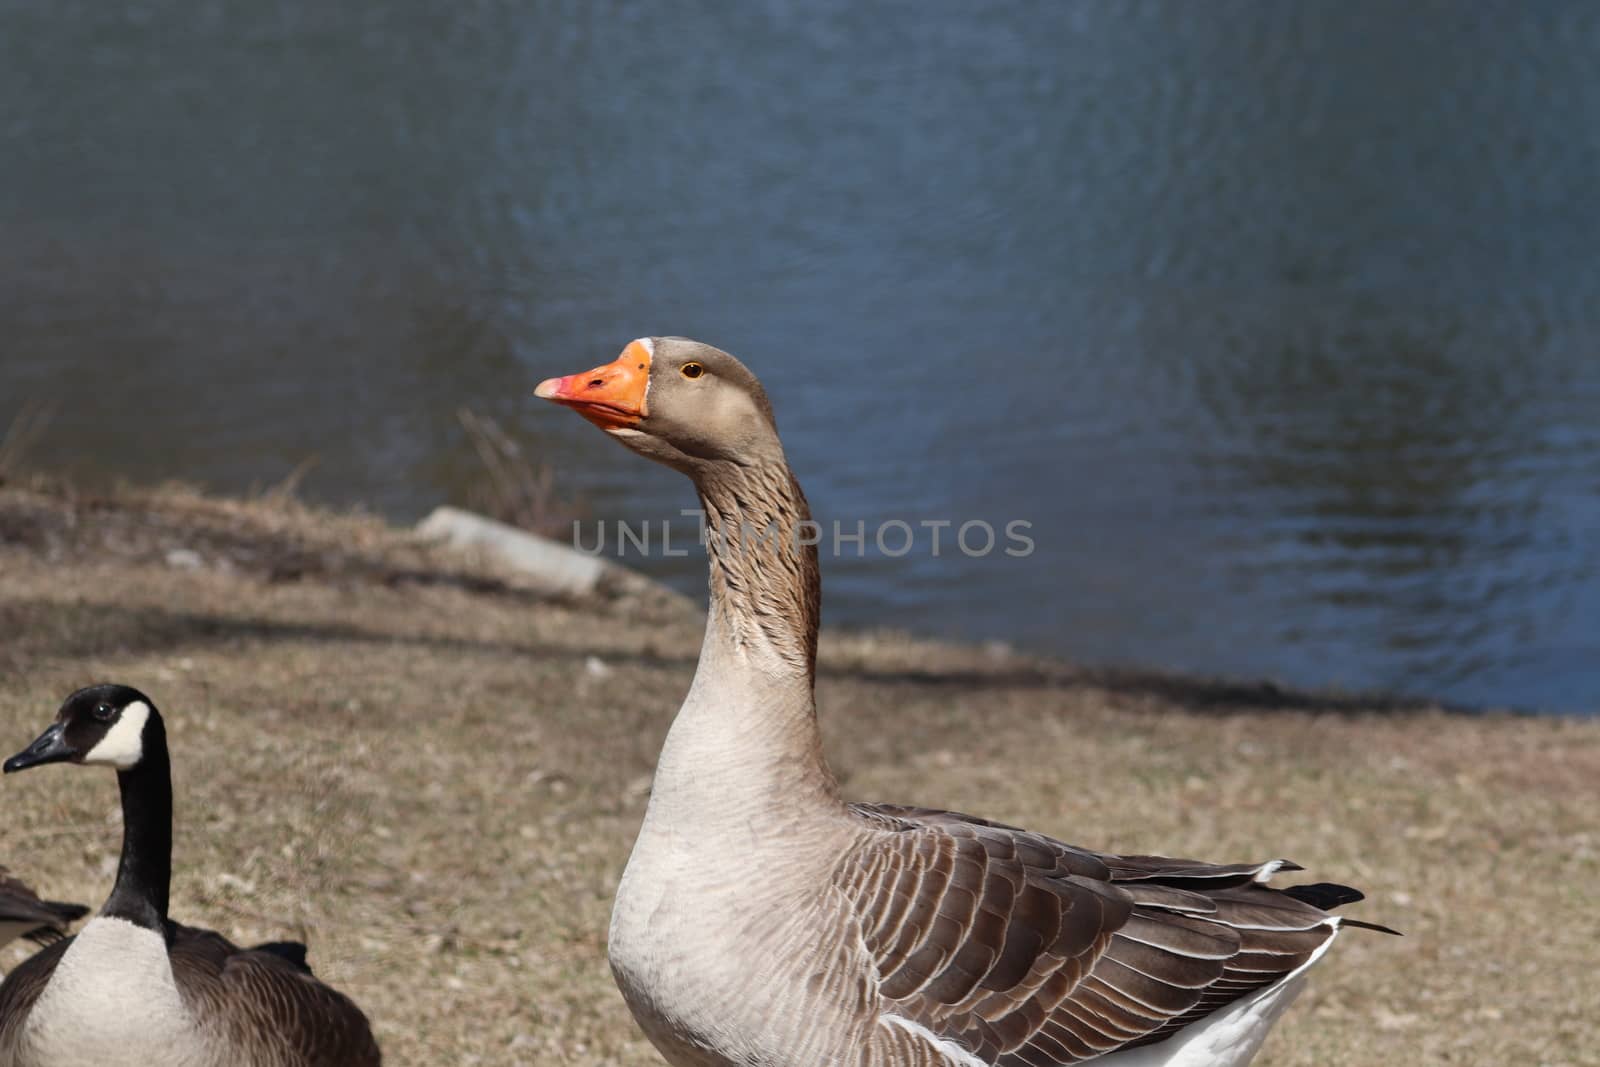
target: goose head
<point>676,401</point>
<point>103,725</point>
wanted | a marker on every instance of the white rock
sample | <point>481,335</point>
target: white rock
<point>555,567</point>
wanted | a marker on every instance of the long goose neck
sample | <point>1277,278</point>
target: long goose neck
<point>766,587</point>
<point>144,875</point>
<point>747,734</point>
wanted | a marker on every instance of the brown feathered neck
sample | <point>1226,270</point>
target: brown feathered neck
<point>766,587</point>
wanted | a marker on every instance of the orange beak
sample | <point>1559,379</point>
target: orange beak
<point>610,396</point>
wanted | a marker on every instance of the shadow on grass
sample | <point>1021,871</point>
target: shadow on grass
<point>37,629</point>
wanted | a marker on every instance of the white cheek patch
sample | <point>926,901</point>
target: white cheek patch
<point>123,744</point>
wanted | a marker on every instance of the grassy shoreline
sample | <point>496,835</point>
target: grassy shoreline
<point>434,775</point>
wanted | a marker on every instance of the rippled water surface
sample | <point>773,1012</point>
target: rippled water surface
<point>1279,322</point>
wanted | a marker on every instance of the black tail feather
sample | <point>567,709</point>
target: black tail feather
<point>293,951</point>
<point>1330,895</point>
<point>1324,895</point>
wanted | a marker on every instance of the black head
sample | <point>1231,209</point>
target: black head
<point>105,725</point>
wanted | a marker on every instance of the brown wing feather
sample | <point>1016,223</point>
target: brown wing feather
<point>262,998</point>
<point>1028,952</point>
<point>20,904</point>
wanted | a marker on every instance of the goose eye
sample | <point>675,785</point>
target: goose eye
<point>693,370</point>
<point>103,712</point>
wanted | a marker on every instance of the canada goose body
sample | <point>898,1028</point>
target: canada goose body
<point>763,921</point>
<point>23,914</point>
<point>136,989</point>
<point>112,972</point>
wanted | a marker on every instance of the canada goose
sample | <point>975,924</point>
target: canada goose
<point>764,921</point>
<point>23,914</point>
<point>135,988</point>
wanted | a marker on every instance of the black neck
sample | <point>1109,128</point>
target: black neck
<point>144,876</point>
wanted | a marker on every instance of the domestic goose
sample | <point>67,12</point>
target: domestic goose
<point>764,921</point>
<point>23,914</point>
<point>136,989</point>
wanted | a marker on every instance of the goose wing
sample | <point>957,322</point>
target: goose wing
<point>21,908</point>
<point>268,997</point>
<point>1024,951</point>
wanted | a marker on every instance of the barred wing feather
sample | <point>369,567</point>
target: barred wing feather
<point>1027,952</point>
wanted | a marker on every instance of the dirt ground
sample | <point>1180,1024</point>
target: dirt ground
<point>434,777</point>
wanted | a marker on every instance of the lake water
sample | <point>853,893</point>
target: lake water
<point>1280,323</point>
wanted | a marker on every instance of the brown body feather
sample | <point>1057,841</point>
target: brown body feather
<point>1027,952</point>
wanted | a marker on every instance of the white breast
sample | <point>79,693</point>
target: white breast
<point>112,999</point>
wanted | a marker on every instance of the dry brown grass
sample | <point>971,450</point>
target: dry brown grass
<point>436,783</point>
